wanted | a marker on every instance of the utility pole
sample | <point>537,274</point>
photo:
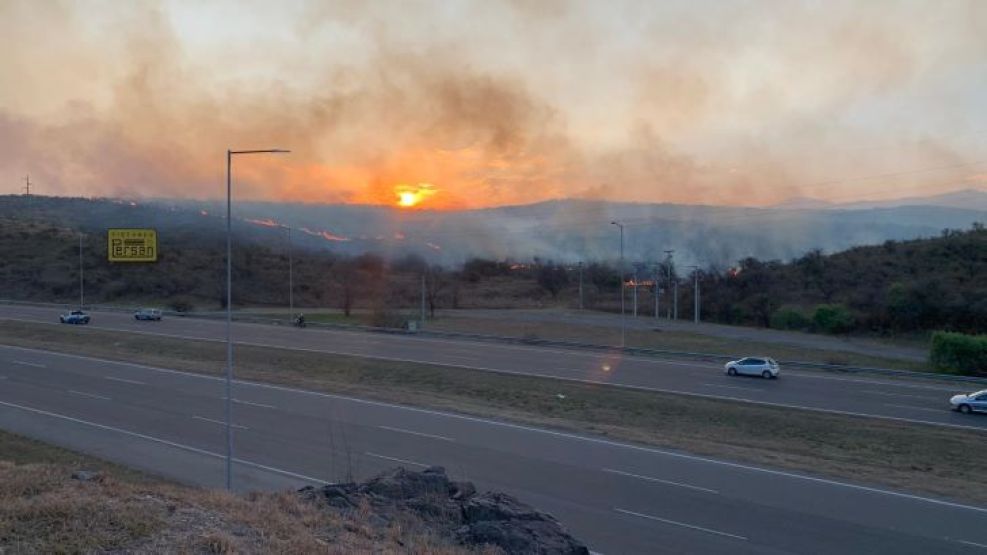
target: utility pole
<point>27,185</point>
<point>695,294</point>
<point>668,259</point>
<point>82,282</point>
<point>635,291</point>
<point>675,299</point>
<point>623,322</point>
<point>657,291</point>
<point>291,279</point>
<point>580,285</point>
<point>423,300</point>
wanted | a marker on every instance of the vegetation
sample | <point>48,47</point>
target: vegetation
<point>956,352</point>
<point>904,287</point>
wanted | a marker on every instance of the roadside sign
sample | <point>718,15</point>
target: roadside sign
<point>132,245</point>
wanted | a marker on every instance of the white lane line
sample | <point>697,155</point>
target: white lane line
<point>252,404</point>
<point>660,481</point>
<point>974,544</point>
<point>125,380</point>
<point>25,363</point>
<point>92,395</point>
<point>414,433</point>
<point>731,386</point>
<point>682,524</point>
<point>163,442</point>
<point>905,395</point>
<point>220,422</point>
<point>910,407</point>
<point>395,459</point>
<point>565,435</point>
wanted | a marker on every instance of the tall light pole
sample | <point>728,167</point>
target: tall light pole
<point>580,285</point>
<point>82,283</point>
<point>695,294</point>
<point>668,263</point>
<point>623,323</point>
<point>229,304</point>
<point>657,291</point>
<point>291,278</point>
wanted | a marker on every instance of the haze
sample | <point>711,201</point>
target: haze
<point>478,104</point>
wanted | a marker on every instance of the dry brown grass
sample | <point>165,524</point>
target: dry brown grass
<point>44,510</point>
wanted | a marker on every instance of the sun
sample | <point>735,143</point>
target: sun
<point>410,196</point>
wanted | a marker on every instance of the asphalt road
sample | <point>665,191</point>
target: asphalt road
<point>619,498</point>
<point>919,401</point>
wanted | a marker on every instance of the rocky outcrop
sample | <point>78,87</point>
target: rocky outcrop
<point>452,509</point>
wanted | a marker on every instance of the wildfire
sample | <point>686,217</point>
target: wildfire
<point>265,222</point>
<point>410,196</point>
<point>328,236</point>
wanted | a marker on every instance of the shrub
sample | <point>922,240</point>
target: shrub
<point>957,352</point>
<point>789,318</point>
<point>832,318</point>
<point>184,304</point>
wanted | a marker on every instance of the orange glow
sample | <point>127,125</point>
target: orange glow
<point>409,197</point>
<point>265,222</point>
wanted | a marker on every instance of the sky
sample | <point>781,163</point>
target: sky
<point>454,104</point>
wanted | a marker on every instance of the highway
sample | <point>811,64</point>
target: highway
<point>619,498</point>
<point>918,401</point>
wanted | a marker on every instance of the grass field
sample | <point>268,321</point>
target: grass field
<point>914,457</point>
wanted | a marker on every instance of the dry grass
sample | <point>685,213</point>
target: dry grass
<point>927,459</point>
<point>43,510</point>
<point>664,340</point>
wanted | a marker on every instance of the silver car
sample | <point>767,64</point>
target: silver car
<point>148,314</point>
<point>971,402</point>
<point>753,366</point>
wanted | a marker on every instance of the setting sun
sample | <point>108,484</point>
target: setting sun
<point>409,196</point>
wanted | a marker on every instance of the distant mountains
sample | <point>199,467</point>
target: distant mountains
<point>564,230</point>
<point>967,199</point>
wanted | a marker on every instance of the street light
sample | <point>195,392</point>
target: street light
<point>623,323</point>
<point>82,283</point>
<point>229,304</point>
<point>695,293</point>
<point>291,279</point>
<point>669,252</point>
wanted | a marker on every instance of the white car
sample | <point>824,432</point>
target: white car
<point>753,366</point>
<point>152,314</point>
<point>971,402</point>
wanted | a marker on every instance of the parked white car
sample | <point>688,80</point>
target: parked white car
<point>753,366</point>
<point>971,402</point>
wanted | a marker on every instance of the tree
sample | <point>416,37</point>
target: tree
<point>603,277</point>
<point>344,273</point>
<point>552,278</point>
<point>436,281</point>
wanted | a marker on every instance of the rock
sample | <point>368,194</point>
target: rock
<point>451,509</point>
<point>87,476</point>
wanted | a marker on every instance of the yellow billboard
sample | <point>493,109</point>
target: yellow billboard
<point>132,245</point>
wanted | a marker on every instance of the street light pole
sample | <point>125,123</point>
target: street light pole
<point>695,294</point>
<point>291,279</point>
<point>229,305</point>
<point>669,272</point>
<point>623,322</point>
<point>82,282</point>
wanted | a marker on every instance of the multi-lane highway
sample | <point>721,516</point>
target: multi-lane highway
<point>919,401</point>
<point>619,498</point>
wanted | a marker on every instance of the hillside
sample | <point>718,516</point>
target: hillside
<point>564,230</point>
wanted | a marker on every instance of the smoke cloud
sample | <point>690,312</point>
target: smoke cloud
<point>489,103</point>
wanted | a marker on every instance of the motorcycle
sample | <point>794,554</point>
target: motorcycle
<point>299,321</point>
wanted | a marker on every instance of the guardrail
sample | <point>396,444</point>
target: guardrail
<point>534,341</point>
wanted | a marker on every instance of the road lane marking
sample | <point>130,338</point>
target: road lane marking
<point>566,435</point>
<point>414,433</point>
<point>682,524</point>
<point>92,395</point>
<point>937,411</point>
<point>25,363</point>
<point>252,404</point>
<point>163,442</point>
<point>660,481</point>
<point>125,380</point>
<point>395,459</point>
<point>974,544</point>
<point>220,422</point>
<point>926,397</point>
<point>732,386</point>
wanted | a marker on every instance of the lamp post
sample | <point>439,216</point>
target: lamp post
<point>695,293</point>
<point>623,323</point>
<point>82,282</point>
<point>229,304</point>
<point>291,278</point>
<point>669,252</point>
